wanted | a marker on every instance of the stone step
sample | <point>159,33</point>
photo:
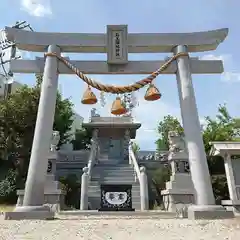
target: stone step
<point>113,178</point>
<point>97,186</point>
<point>110,177</point>
<point>135,185</point>
<point>112,169</point>
<point>151,214</point>
<point>94,189</point>
<point>110,165</point>
<point>117,176</point>
<point>97,190</point>
<point>112,173</point>
<point>106,182</point>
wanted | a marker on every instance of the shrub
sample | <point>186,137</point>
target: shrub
<point>72,187</point>
<point>220,188</point>
<point>8,188</point>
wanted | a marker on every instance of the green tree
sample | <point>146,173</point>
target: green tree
<point>135,148</point>
<point>169,123</point>
<point>223,127</point>
<point>82,139</point>
<point>72,186</point>
<point>18,116</point>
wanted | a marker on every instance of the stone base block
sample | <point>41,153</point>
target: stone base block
<point>54,198</point>
<point>173,199</point>
<point>232,205</point>
<point>30,213</point>
<point>208,212</point>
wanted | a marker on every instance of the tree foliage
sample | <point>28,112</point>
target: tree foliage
<point>223,127</point>
<point>135,147</point>
<point>17,120</point>
<point>72,186</point>
<point>63,118</point>
<point>8,188</point>
<point>82,139</point>
<point>220,187</point>
<point>169,123</point>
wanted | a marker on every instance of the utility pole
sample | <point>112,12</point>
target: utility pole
<point>8,52</point>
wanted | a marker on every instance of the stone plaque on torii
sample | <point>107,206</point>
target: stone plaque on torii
<point>117,43</point>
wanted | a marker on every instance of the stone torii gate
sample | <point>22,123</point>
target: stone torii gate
<point>117,43</point>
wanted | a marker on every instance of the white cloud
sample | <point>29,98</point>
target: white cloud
<point>228,75</point>
<point>231,76</point>
<point>37,8</point>
<point>223,57</point>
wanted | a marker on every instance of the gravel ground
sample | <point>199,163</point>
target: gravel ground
<point>119,228</point>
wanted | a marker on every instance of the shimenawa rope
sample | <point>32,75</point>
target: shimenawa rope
<point>112,88</point>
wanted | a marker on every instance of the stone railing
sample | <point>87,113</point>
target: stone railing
<point>86,176</point>
<point>141,175</point>
<point>92,157</point>
<point>133,161</point>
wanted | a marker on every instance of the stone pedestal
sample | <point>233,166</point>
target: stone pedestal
<point>232,205</point>
<point>179,192</point>
<point>54,196</point>
<point>30,213</point>
<point>208,212</point>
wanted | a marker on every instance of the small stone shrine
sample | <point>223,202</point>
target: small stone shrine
<point>112,185</point>
<point>230,151</point>
<point>53,193</point>
<point>179,190</point>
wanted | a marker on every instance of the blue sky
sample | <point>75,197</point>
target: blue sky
<point>141,16</point>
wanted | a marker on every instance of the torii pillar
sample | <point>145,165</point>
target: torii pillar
<point>205,202</point>
<point>117,44</point>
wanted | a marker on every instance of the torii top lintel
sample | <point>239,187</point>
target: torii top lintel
<point>97,42</point>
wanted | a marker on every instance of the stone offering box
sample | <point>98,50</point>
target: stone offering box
<point>116,198</point>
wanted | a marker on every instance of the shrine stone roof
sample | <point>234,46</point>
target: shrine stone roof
<point>111,122</point>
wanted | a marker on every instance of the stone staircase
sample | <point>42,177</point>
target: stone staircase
<point>104,173</point>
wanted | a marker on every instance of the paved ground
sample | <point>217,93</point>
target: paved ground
<point>94,228</point>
